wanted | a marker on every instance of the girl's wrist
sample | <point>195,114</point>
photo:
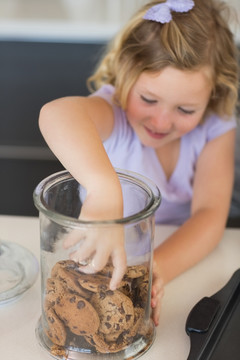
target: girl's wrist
<point>104,200</point>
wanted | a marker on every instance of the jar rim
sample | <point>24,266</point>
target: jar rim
<point>142,181</point>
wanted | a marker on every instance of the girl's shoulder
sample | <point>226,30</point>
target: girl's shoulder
<point>122,132</point>
<point>106,92</point>
<point>214,126</point>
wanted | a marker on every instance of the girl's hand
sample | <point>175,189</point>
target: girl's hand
<point>95,245</point>
<point>157,294</point>
<point>94,248</point>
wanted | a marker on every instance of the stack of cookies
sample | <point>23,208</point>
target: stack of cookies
<point>81,312</point>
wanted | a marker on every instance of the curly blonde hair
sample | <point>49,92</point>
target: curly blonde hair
<point>191,40</point>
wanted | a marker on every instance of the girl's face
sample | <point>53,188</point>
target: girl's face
<point>162,107</point>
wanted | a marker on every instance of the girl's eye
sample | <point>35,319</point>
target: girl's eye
<point>188,112</point>
<point>149,101</point>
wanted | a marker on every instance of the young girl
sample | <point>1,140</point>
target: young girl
<point>164,103</point>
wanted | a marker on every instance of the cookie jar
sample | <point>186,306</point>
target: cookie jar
<point>81,317</point>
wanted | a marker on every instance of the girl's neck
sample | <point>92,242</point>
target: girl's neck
<point>168,156</point>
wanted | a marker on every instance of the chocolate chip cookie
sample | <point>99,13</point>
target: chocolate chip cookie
<point>115,310</point>
<point>56,329</point>
<point>136,271</point>
<point>77,314</point>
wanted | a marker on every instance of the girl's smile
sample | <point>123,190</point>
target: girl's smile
<point>155,134</point>
<point>164,106</point>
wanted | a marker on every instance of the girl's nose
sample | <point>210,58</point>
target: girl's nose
<point>162,121</point>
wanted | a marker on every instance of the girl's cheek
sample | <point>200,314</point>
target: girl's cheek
<point>188,125</point>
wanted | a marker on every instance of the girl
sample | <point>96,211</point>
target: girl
<point>163,106</point>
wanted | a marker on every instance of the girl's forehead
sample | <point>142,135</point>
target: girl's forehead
<point>171,72</point>
<point>172,77</point>
<point>178,84</point>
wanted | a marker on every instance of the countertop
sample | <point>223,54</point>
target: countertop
<point>18,319</point>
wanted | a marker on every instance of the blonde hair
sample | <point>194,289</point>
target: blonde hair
<point>200,37</point>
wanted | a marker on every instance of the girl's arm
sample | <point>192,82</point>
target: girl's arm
<point>199,235</point>
<point>210,206</point>
<point>74,128</point>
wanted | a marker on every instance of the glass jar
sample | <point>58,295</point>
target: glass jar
<point>81,317</point>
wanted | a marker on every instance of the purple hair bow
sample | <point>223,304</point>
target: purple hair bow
<point>162,12</point>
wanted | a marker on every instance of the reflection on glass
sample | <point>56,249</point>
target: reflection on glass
<point>18,271</point>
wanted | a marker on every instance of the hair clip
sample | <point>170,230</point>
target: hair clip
<point>162,12</point>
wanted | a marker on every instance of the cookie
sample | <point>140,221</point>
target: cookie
<point>56,330</point>
<point>140,291</point>
<point>119,342</point>
<point>137,324</point>
<point>71,281</point>
<point>77,314</point>
<point>107,270</point>
<point>111,337</point>
<point>126,289</point>
<point>143,288</point>
<point>62,264</point>
<point>115,310</point>
<point>59,352</point>
<point>94,283</point>
<point>132,272</point>
<point>135,271</point>
<point>102,346</point>
<point>67,271</point>
<point>54,289</point>
<point>97,340</point>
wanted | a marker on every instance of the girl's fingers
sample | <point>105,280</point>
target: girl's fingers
<point>97,262</point>
<point>156,313</point>
<point>119,261</point>
<point>157,294</point>
<point>83,253</point>
<point>95,248</point>
<point>86,246</point>
<point>156,308</point>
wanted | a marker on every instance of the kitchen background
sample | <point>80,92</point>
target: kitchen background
<point>48,48</point>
